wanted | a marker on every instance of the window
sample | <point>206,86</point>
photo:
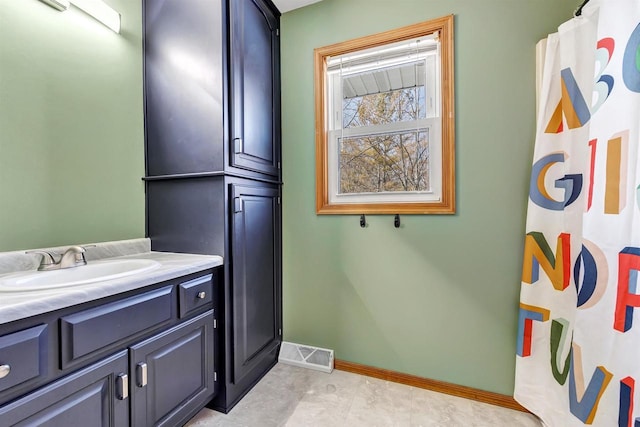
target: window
<point>384,122</point>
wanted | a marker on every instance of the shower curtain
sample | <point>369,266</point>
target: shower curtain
<point>578,342</point>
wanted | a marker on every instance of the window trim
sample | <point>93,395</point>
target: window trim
<point>446,204</point>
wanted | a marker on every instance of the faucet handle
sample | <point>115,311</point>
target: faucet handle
<point>48,260</point>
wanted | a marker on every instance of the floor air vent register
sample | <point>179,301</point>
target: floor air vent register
<point>306,356</point>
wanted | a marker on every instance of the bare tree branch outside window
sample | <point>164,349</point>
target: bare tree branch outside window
<point>384,162</point>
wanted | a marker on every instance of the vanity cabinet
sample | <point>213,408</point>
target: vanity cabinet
<point>213,165</point>
<point>145,359</point>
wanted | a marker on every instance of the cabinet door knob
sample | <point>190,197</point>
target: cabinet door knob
<point>4,370</point>
<point>202,295</point>
<point>122,386</point>
<point>141,374</point>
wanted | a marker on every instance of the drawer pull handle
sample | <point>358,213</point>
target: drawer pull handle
<point>4,370</point>
<point>122,386</point>
<point>141,374</point>
<point>202,295</point>
<point>237,145</point>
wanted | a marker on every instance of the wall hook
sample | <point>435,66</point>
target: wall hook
<point>396,221</point>
<point>363,221</point>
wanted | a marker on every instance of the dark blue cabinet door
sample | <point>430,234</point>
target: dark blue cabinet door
<point>173,374</point>
<point>255,247</point>
<point>255,86</point>
<point>94,396</point>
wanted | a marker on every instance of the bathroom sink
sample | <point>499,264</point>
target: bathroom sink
<point>93,272</point>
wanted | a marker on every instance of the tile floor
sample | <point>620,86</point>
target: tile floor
<point>298,397</point>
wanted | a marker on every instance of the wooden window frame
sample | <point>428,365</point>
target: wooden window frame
<point>446,204</point>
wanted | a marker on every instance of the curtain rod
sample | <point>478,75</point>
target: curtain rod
<point>578,11</point>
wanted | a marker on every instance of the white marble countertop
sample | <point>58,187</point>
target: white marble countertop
<point>20,305</point>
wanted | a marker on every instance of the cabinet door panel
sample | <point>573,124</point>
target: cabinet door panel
<point>86,398</point>
<point>179,373</point>
<point>254,87</point>
<point>255,290</point>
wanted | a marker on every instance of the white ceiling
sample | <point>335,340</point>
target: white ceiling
<point>287,5</point>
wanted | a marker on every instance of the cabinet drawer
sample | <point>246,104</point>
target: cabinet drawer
<point>195,294</point>
<point>86,332</point>
<point>23,356</point>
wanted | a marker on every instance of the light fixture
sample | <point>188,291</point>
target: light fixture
<point>61,5</point>
<point>96,8</point>
<point>100,11</point>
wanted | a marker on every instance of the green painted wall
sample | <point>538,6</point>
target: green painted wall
<point>71,126</point>
<point>438,297</point>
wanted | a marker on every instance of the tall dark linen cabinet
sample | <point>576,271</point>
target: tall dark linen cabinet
<point>212,124</point>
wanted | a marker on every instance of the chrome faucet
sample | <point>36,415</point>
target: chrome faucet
<point>72,257</point>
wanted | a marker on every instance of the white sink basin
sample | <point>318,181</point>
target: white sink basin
<point>94,271</point>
